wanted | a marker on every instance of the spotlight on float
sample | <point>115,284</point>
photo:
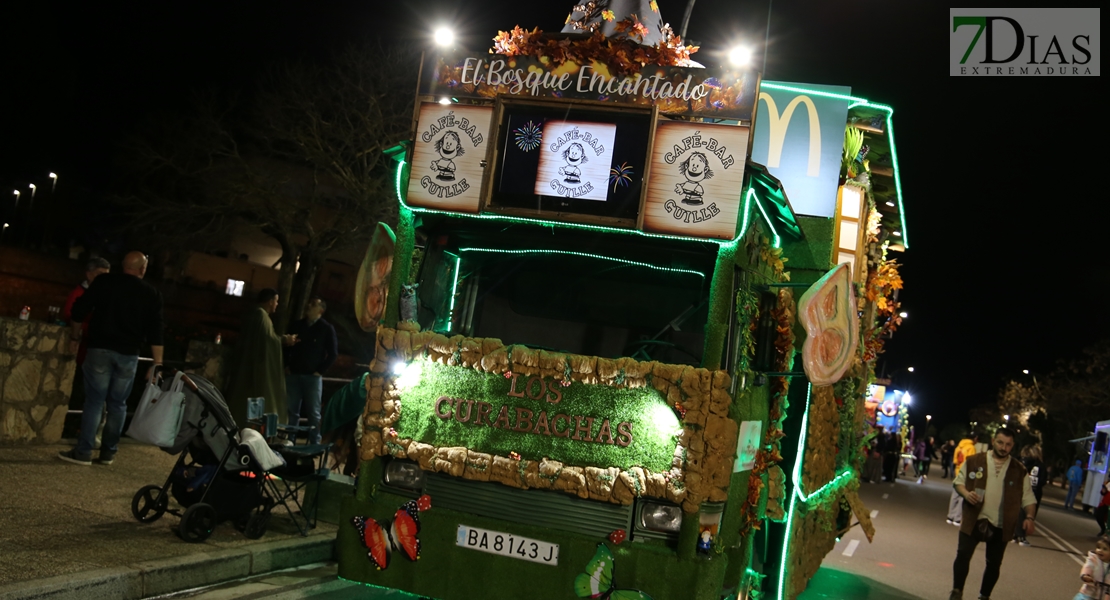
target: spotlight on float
<point>740,56</point>
<point>445,101</point>
<point>906,399</point>
<point>444,37</point>
<point>408,374</point>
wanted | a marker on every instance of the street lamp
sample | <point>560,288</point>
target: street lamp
<point>1026,371</point>
<point>740,56</point>
<point>906,398</point>
<point>33,188</point>
<point>904,314</point>
<point>53,182</point>
<point>444,37</point>
<point>17,194</point>
<point>1007,417</point>
<point>910,369</point>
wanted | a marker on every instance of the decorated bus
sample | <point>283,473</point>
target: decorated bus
<point>612,361</point>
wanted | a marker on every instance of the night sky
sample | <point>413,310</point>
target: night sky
<point>1007,266</point>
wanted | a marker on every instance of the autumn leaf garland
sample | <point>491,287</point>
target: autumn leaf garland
<point>623,55</point>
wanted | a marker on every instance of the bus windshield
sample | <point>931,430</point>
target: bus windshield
<point>607,305</point>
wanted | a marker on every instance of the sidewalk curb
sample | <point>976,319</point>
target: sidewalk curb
<point>169,575</point>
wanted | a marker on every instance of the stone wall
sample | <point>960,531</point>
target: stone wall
<point>35,374</point>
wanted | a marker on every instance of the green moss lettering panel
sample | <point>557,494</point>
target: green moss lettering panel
<point>537,417</point>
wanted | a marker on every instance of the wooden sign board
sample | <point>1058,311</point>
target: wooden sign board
<point>697,176</point>
<point>447,157</point>
<point>575,158</point>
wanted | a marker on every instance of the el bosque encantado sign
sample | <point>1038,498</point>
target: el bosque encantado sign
<point>676,90</point>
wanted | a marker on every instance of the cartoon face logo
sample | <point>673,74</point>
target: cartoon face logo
<point>447,147</point>
<point>575,157</point>
<point>695,169</point>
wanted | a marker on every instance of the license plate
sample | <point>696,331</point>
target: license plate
<point>507,544</point>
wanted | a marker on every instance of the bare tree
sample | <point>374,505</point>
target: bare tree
<point>301,160</point>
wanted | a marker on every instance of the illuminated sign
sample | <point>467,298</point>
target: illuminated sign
<point>697,173</point>
<point>799,137</point>
<point>675,90</point>
<point>537,417</point>
<point>575,159</point>
<point>447,157</point>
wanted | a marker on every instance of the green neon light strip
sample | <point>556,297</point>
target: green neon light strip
<point>799,495</point>
<point>857,101</point>
<point>586,255</point>
<point>777,240</point>
<point>455,284</point>
<point>747,212</point>
<point>790,88</point>
<point>401,199</point>
<point>793,496</point>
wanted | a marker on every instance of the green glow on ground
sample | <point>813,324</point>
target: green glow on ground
<point>654,425</point>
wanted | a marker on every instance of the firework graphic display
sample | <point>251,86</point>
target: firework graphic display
<point>621,176</point>
<point>528,137</point>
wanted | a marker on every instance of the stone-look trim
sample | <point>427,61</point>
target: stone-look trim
<point>704,455</point>
<point>36,375</point>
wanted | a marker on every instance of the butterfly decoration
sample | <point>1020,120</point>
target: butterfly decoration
<point>621,176</point>
<point>382,539</point>
<point>597,581</point>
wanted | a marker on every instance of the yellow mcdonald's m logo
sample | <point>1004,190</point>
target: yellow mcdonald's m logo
<point>777,131</point>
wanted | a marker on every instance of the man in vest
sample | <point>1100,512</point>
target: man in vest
<point>964,449</point>
<point>997,494</point>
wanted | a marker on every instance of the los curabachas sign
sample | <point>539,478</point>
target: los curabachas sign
<point>675,90</point>
<point>537,417</point>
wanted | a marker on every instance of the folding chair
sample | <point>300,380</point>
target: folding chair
<point>299,471</point>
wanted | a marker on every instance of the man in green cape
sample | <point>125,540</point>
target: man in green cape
<point>256,367</point>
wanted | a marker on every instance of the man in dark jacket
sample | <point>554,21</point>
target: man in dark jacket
<point>306,361</point>
<point>124,313</point>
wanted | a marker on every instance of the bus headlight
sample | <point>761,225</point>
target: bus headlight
<point>404,474</point>
<point>660,517</point>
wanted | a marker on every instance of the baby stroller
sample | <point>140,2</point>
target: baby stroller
<point>221,474</point>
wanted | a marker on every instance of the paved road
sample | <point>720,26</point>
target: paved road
<point>911,557</point>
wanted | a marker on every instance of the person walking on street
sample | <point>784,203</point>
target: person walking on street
<point>892,447</point>
<point>946,452</point>
<point>997,495</point>
<point>964,450</point>
<point>1075,481</point>
<point>924,454</point>
<point>305,363</point>
<point>1031,459</point>
<point>124,313</point>
<point>256,370</point>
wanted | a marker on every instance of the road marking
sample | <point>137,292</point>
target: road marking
<point>1063,549</point>
<point>885,496</point>
<point>851,549</point>
<point>1075,554</point>
<point>874,513</point>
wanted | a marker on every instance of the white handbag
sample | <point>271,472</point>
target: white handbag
<point>159,414</point>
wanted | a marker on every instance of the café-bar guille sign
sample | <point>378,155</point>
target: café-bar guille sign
<point>675,90</point>
<point>539,417</point>
<point>450,145</point>
<point>697,174</point>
